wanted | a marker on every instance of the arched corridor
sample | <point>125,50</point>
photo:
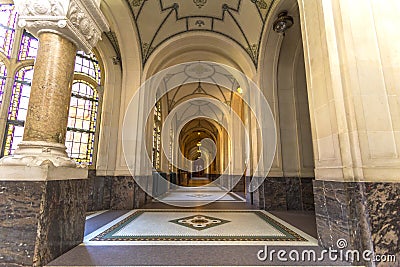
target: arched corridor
<point>202,132</point>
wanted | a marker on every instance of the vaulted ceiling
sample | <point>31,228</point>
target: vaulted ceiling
<point>239,20</point>
<point>196,80</point>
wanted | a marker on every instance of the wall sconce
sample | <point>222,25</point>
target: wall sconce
<point>282,23</point>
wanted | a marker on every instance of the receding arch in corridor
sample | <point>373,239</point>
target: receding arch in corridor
<point>334,101</point>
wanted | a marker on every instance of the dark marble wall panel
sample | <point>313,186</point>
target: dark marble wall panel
<point>307,194</point>
<point>122,193</point>
<point>62,219</point>
<point>259,197</point>
<point>19,213</point>
<point>275,194</point>
<point>383,205</point>
<point>39,221</point>
<point>287,193</point>
<point>140,197</point>
<point>293,194</point>
<point>326,209</point>
<point>99,191</point>
<point>365,214</point>
<point>249,196</point>
<point>114,192</point>
<point>240,186</point>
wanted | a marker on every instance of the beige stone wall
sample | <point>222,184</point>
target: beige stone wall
<point>283,81</point>
<point>352,59</point>
<point>351,62</point>
<point>294,125</point>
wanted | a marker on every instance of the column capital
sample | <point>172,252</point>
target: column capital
<point>80,21</point>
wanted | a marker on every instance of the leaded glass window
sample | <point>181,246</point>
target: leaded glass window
<point>88,65</point>
<point>157,136</point>
<point>8,19</point>
<point>82,122</point>
<point>28,48</point>
<point>18,109</point>
<point>3,78</point>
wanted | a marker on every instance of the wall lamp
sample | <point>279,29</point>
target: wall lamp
<point>282,23</point>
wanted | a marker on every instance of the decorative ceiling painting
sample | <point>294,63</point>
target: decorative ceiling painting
<point>242,21</point>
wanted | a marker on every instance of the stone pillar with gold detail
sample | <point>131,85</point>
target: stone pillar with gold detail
<point>42,191</point>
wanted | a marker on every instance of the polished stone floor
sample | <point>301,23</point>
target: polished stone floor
<point>195,252</point>
<point>198,227</point>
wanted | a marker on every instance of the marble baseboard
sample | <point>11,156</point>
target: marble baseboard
<point>141,197</point>
<point>240,186</point>
<point>114,192</point>
<point>99,192</point>
<point>286,193</point>
<point>366,214</point>
<point>122,193</point>
<point>126,194</point>
<point>39,221</point>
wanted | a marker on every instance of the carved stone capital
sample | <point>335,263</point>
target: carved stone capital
<point>80,21</point>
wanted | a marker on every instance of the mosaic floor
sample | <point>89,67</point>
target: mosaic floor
<point>200,194</point>
<point>198,227</point>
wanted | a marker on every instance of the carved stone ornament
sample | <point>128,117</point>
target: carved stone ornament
<point>80,21</point>
<point>40,161</point>
<point>38,153</point>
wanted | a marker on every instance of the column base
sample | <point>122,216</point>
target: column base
<point>40,161</point>
<point>365,214</point>
<point>40,220</point>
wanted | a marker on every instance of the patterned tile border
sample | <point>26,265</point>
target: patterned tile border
<point>234,196</point>
<point>289,234</point>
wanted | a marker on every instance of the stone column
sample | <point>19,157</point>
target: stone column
<point>351,59</point>
<point>51,85</point>
<point>43,193</point>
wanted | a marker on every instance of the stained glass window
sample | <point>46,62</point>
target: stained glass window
<point>84,99</point>
<point>18,109</point>
<point>157,136</point>
<point>28,48</point>
<point>82,122</point>
<point>8,19</point>
<point>88,65</point>
<point>3,77</point>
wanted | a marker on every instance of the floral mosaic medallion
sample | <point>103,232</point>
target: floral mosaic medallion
<point>199,222</point>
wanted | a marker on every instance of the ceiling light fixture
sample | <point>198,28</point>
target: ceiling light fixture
<point>282,23</point>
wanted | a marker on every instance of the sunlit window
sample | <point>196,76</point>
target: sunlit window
<point>28,48</point>
<point>8,19</point>
<point>18,109</point>
<point>82,122</point>
<point>88,65</point>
